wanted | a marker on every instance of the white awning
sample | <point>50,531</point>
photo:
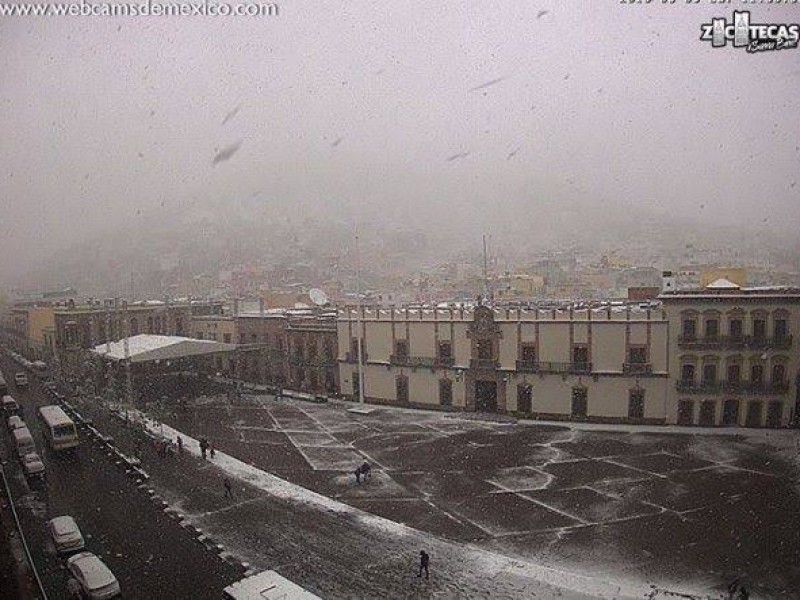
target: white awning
<point>146,347</point>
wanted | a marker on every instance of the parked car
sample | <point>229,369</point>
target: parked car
<point>33,465</point>
<point>15,422</point>
<point>65,534</point>
<point>96,579</point>
<point>21,379</point>
<point>10,406</point>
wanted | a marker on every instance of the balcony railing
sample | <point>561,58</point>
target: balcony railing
<point>704,387</point>
<point>565,367</point>
<point>412,361</point>
<point>700,343</point>
<point>735,342</point>
<point>352,357</point>
<point>732,387</point>
<point>528,366</point>
<point>637,368</point>
<point>444,361</point>
<point>484,364</point>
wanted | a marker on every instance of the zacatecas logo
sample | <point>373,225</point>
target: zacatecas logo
<point>755,37</point>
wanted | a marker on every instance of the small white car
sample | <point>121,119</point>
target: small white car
<point>10,406</point>
<point>33,465</point>
<point>21,379</point>
<point>15,422</point>
<point>97,581</point>
<point>65,534</point>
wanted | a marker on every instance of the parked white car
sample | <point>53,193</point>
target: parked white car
<point>96,579</point>
<point>65,534</point>
<point>15,422</point>
<point>21,379</point>
<point>33,465</point>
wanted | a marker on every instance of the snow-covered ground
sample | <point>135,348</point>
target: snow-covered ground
<point>473,571</point>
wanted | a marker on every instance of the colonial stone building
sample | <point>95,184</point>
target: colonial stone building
<point>605,364</point>
<point>733,356</point>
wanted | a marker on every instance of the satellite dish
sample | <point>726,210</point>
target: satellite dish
<point>318,297</point>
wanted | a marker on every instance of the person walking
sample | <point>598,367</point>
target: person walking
<point>366,471</point>
<point>211,450</point>
<point>203,447</point>
<point>228,489</point>
<point>180,445</point>
<point>424,561</point>
<point>357,473</point>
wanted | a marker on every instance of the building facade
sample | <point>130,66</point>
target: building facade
<point>601,364</point>
<point>733,356</point>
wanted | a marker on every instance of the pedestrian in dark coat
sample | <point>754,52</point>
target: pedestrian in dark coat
<point>211,450</point>
<point>203,447</point>
<point>180,444</point>
<point>424,561</point>
<point>366,470</point>
<point>357,473</point>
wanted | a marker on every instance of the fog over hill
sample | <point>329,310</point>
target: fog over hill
<point>206,240</point>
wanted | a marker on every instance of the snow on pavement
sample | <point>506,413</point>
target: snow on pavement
<point>489,572</point>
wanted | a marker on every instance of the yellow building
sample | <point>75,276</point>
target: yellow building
<point>736,275</point>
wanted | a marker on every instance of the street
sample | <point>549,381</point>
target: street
<point>150,554</point>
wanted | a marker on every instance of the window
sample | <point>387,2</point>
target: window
<point>637,355</point>
<point>708,411</point>
<point>759,329</point>
<point>687,373</point>
<point>226,337</point>
<point>445,350</point>
<point>712,328</point>
<point>199,335</point>
<point>781,329</point>
<point>580,355</point>
<point>149,324</point>
<point>689,328</point>
<point>636,404</point>
<point>178,325</point>
<point>253,338</point>
<point>524,398</point>
<point>757,374</point>
<point>774,412</point>
<point>401,388</point>
<point>709,373</point>
<point>735,327</point>
<point>778,374</point>
<point>401,348</point>
<point>579,401</point>
<point>485,349</point>
<point>242,338</point>
<point>528,353</point>
<point>134,326</point>
<point>734,374</point>
<point>445,392</point>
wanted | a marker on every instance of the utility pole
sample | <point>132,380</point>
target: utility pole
<point>360,356</point>
<point>488,294</point>
<point>126,347</point>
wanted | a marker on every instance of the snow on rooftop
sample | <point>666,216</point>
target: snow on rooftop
<point>722,284</point>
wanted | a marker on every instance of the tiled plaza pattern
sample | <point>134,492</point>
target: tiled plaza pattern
<point>671,508</point>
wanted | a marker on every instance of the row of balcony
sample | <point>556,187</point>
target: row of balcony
<point>732,387</point>
<point>732,342</point>
<point>421,361</point>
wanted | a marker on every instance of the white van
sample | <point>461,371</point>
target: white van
<point>23,442</point>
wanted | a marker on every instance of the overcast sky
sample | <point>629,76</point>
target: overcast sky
<point>105,121</point>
